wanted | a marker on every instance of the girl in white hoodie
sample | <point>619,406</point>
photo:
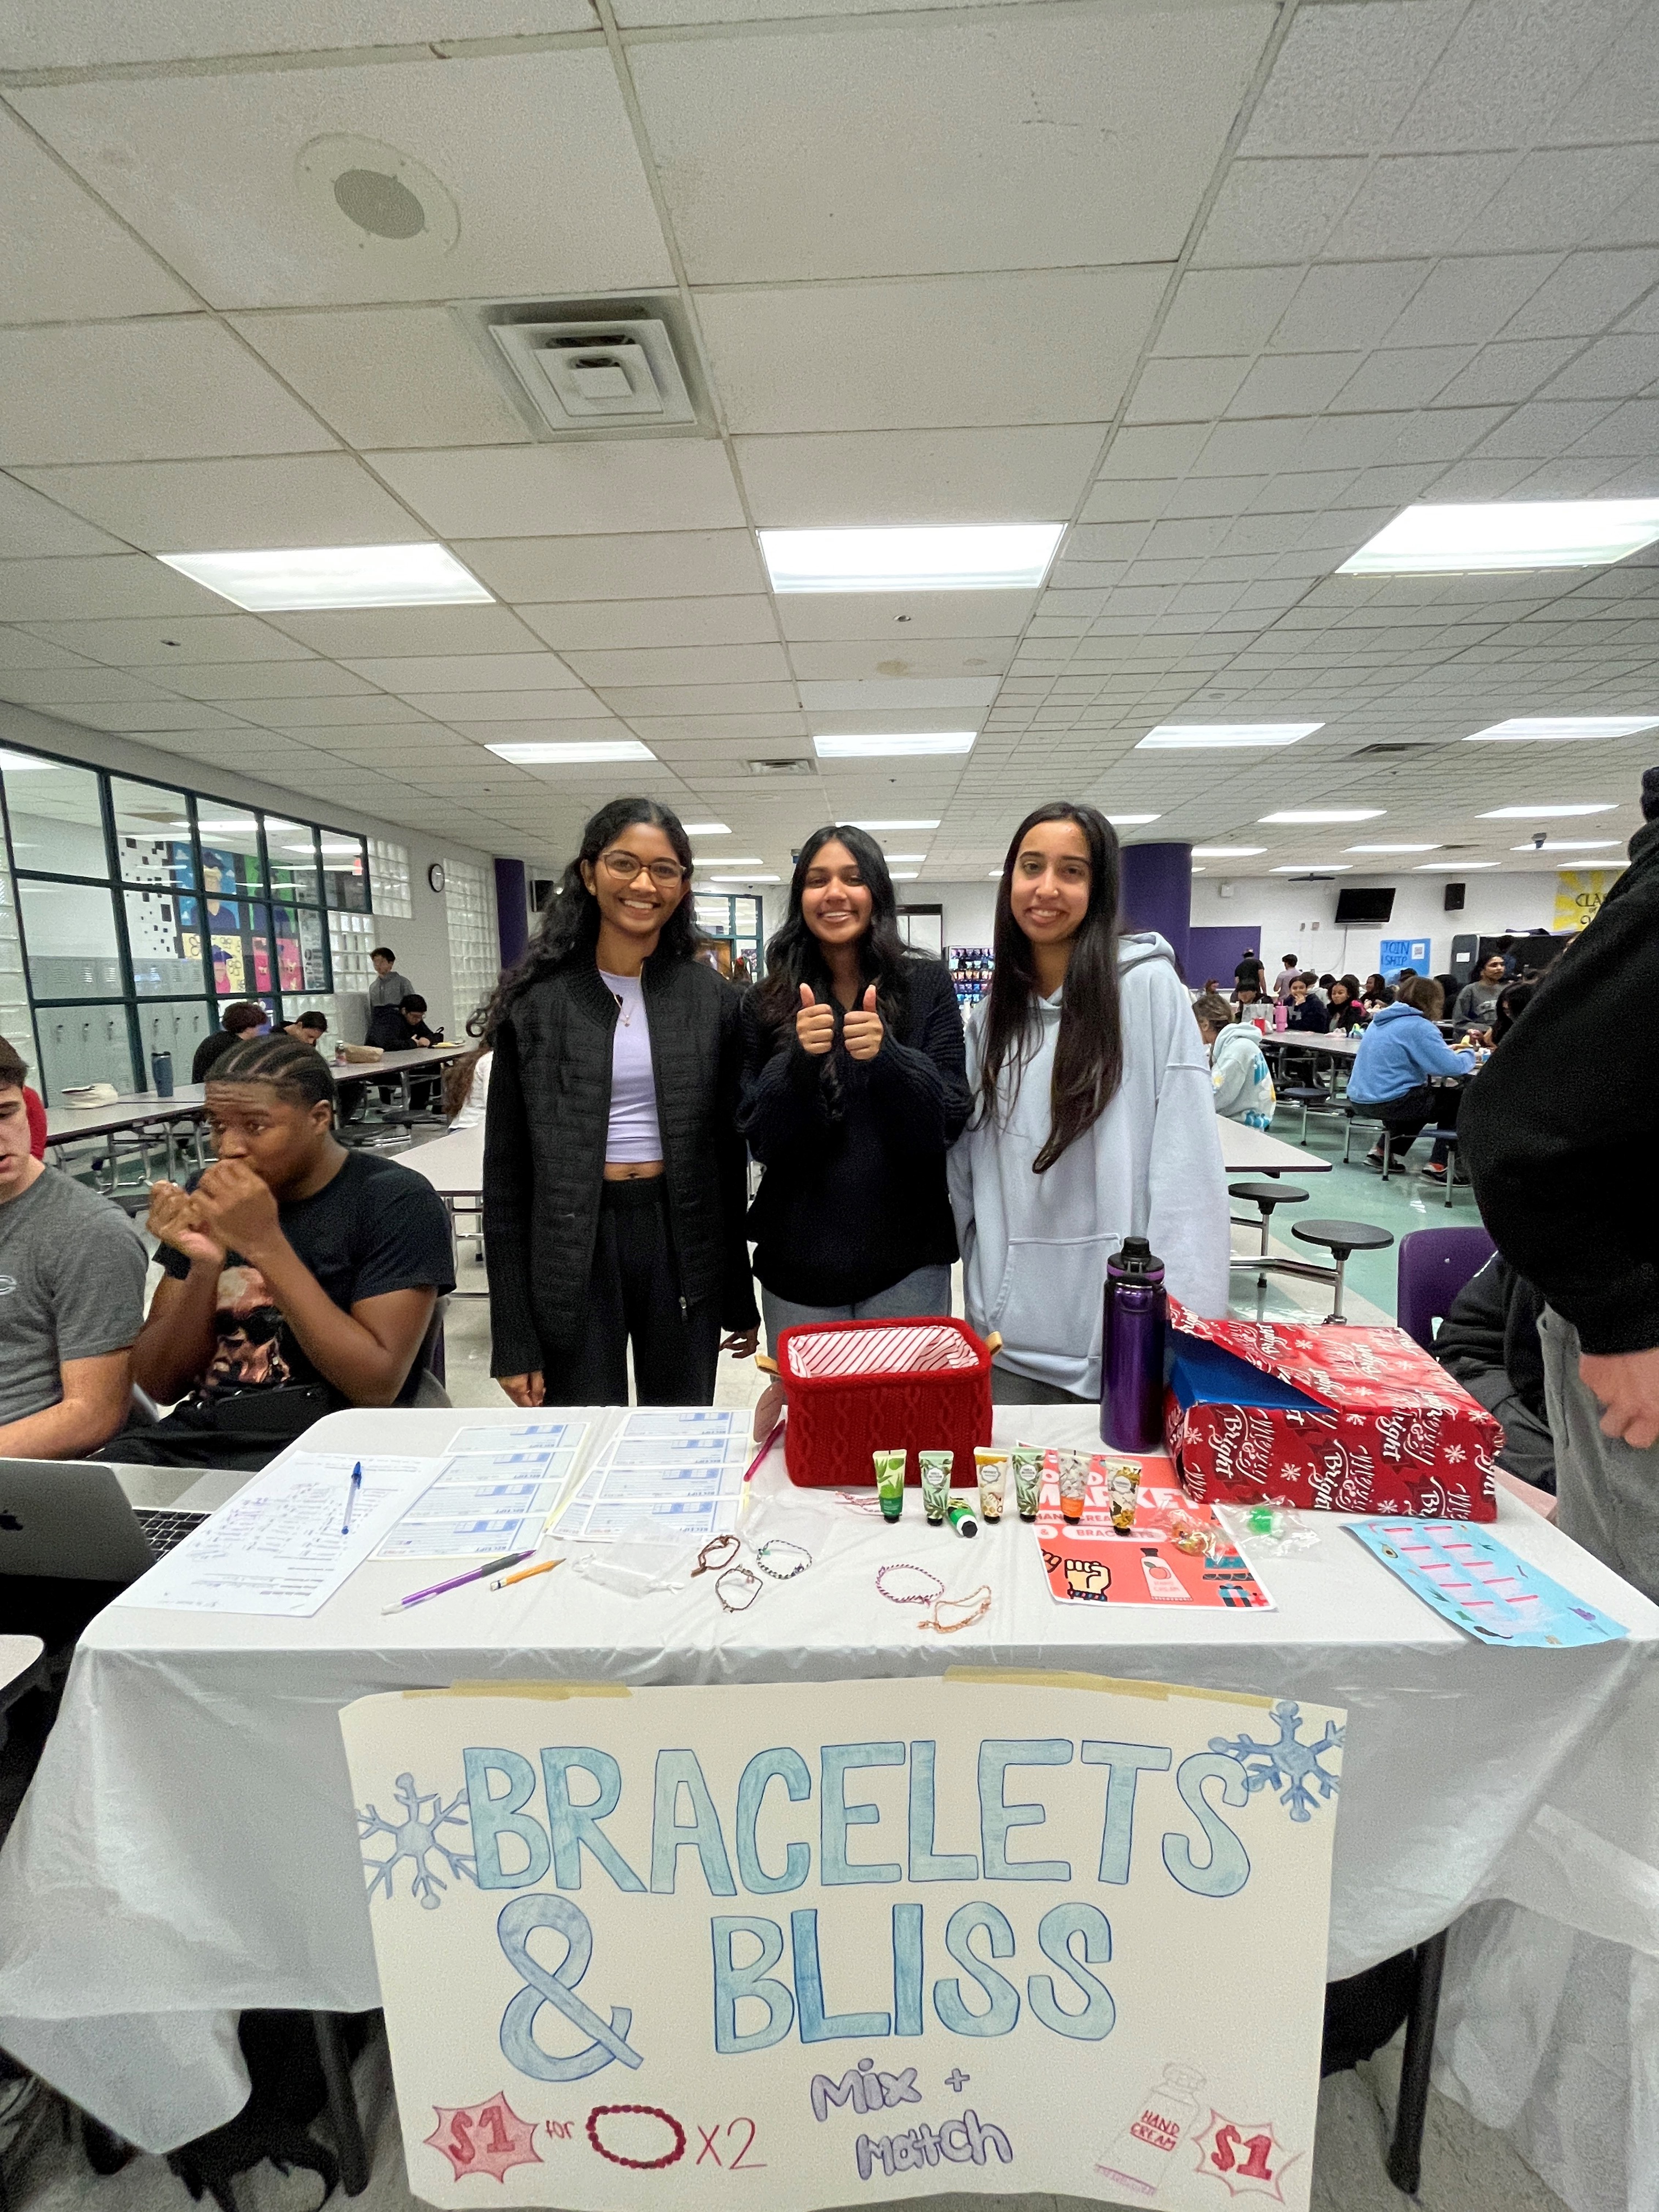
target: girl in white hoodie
<point>1093,1118</point>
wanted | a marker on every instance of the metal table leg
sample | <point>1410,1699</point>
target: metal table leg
<point>1406,2151</point>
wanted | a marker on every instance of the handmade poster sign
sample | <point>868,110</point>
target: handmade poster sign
<point>706,1948</point>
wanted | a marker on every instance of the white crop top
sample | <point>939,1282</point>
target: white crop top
<point>634,1134</point>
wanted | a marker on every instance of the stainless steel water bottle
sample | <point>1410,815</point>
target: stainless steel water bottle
<point>1132,1327</point>
<point>160,1070</point>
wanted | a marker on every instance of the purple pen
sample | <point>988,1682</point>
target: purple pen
<point>472,1575</point>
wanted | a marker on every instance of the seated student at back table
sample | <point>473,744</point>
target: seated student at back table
<point>1238,1067</point>
<point>309,1029</point>
<point>1477,1002</point>
<point>1307,1010</point>
<point>241,1020</point>
<point>1402,1057</point>
<point>301,1276</point>
<point>71,1298</point>
<point>1343,1009</point>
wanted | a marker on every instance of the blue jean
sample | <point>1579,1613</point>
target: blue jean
<point>926,1291</point>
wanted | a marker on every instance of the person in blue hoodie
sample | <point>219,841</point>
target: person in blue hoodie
<point>1093,1117</point>
<point>1401,1057</point>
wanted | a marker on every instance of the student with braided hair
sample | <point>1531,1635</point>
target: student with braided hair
<point>301,1276</point>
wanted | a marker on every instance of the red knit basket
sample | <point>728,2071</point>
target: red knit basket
<point>837,1422</point>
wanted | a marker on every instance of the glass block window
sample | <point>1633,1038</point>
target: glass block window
<point>388,878</point>
<point>475,952</point>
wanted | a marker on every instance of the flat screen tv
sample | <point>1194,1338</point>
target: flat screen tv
<point>1359,906</point>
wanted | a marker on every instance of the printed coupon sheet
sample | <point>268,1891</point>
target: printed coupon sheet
<point>1482,1587</point>
<point>492,1492</point>
<point>665,1473</point>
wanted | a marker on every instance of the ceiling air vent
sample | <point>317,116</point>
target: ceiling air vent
<point>595,367</point>
<point>805,765</point>
<point>1412,745</point>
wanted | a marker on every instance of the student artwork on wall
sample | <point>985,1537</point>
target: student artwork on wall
<point>706,1946</point>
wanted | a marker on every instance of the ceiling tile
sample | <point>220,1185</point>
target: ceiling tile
<point>179,506</point>
<point>189,640</point>
<point>202,166</point>
<point>1508,71</point>
<point>1345,76</point>
<point>22,648</point>
<point>244,681</point>
<point>1292,383</point>
<point>970,657</point>
<point>848,479</point>
<point>324,715</point>
<point>685,664</point>
<point>1508,372</point>
<point>388,376</point>
<point>943,145</point>
<point>1616,367</point>
<point>941,351</point>
<point>751,731</point>
<point>1410,377</point>
<point>612,485</point>
<point>363,633</point>
<point>1419,203</point>
<point>66,687</point>
<point>141,390</point>
<point>1587,291</point>
<point>1186,391</point>
<point>659,699</point>
<point>685,563</point>
<point>901,691</point>
<point>1224,311</point>
<point>1468,301</point>
<point>905,617</point>
<point>61,255</point>
<point>1341,305</point>
<point>466,671</point>
<point>31,525</point>
<point>1269,212</point>
<point>145,720</point>
<point>1563,197</point>
<point>106,584</point>
<point>73,33</point>
<point>462,709</point>
<point>599,625</point>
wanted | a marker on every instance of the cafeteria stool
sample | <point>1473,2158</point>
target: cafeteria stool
<point>1449,1139</point>
<point>1267,1196</point>
<point>1306,1096</point>
<point>1341,1239</point>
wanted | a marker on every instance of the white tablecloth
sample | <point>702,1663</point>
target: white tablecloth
<point>188,1846</point>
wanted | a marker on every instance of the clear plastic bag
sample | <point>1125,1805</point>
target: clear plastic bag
<point>636,1570</point>
<point>1271,1529</point>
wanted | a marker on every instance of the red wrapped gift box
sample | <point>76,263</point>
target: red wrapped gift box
<point>1339,1417</point>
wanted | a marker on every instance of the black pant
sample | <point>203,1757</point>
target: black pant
<point>634,1296</point>
<point>1406,1117</point>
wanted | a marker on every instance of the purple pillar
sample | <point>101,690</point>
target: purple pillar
<point>511,915</point>
<point>1157,893</point>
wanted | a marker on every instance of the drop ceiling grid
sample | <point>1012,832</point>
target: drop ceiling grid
<point>1360,389</point>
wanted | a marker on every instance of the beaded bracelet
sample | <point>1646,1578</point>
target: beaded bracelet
<point>783,1544</point>
<point>913,1597</point>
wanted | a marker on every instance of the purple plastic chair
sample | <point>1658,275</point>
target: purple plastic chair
<point>1434,1266</point>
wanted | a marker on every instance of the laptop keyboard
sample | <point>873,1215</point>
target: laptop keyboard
<point>163,1529</point>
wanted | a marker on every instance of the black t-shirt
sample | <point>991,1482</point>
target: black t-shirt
<point>377,1227</point>
<point>212,1049</point>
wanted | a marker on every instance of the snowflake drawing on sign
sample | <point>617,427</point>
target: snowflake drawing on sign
<point>487,2138</point>
<point>416,1838</point>
<point>1288,1766</point>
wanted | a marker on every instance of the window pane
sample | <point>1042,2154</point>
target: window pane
<point>177,1027</point>
<point>164,937</point>
<point>83,1044</point>
<point>293,848</point>
<point>239,936</point>
<point>230,849</point>
<point>152,835</point>
<point>345,871</point>
<point>55,824</point>
<point>70,931</point>
<point>313,951</point>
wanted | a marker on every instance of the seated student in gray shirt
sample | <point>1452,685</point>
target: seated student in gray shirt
<point>71,1298</point>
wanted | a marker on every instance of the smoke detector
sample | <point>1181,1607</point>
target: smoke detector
<point>592,374</point>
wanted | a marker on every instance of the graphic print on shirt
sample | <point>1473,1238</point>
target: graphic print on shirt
<point>249,1353</point>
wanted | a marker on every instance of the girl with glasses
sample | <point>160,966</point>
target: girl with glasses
<point>853,1085</point>
<point>1093,1118</point>
<point>614,1175</point>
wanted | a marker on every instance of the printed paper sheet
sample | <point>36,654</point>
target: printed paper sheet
<point>1482,1587</point>
<point>665,1474</point>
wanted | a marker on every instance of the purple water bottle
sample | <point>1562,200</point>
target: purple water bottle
<point>1133,1325</point>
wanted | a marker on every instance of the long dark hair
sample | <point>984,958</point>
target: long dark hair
<point>794,957</point>
<point>569,927</point>
<point>1089,1056</point>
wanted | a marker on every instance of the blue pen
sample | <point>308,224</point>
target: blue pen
<point>352,1489</point>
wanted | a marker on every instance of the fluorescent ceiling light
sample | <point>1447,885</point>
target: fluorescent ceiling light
<point>1507,534</point>
<point>993,557</point>
<point>333,576</point>
<point>17,760</point>
<point>730,860</point>
<point>904,875</point>
<point>1313,868</point>
<point>338,851</point>
<point>896,823</point>
<point>547,753</point>
<point>707,829</point>
<point>904,856</point>
<point>1131,821</point>
<point>1228,851</point>
<point>1537,813</point>
<point>895,747</point>
<point>1173,737</point>
<point>1394,848</point>
<point>1571,845</point>
<point>1562,727</point>
<point>1198,872</point>
<point>1452,867</point>
<point>232,825</point>
<point>1326,814</point>
<point>746,879</point>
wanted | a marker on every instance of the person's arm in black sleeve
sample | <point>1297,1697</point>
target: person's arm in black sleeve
<point>925,1085</point>
<point>508,1189</point>
<point>781,1102</point>
<point>1558,1131</point>
<point>739,1312</point>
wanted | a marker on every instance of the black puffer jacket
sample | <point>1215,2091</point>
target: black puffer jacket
<point>544,1138</point>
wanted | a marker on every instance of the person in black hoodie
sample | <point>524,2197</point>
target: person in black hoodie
<point>1489,1343</point>
<point>614,1175</point>
<point>855,1082</point>
<point>1560,1136</point>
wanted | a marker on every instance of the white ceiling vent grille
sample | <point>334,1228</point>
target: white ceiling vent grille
<point>592,368</point>
<point>801,765</point>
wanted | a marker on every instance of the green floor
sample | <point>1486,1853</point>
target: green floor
<point>1404,1202</point>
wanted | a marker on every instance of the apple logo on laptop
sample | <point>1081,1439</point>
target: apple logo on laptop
<point>9,1521</point>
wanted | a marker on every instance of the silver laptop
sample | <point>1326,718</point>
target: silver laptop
<point>71,1517</point>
